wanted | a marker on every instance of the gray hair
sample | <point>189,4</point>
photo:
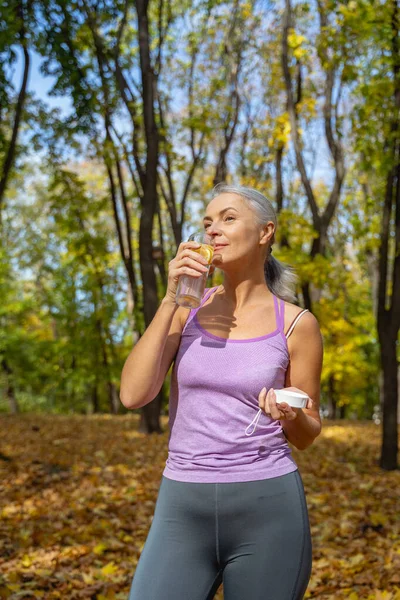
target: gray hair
<point>281,278</point>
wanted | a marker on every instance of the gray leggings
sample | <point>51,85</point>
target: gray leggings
<point>252,536</point>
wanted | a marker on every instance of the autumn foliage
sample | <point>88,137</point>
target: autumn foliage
<point>78,495</point>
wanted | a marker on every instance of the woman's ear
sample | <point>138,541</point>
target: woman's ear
<point>267,233</point>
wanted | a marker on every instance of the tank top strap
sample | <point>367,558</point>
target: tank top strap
<point>206,296</point>
<point>193,311</point>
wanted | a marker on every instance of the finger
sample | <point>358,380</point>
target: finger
<point>187,267</point>
<point>184,246</point>
<point>273,408</point>
<point>288,413</point>
<point>193,255</point>
<point>187,271</point>
<point>190,262</point>
<point>190,244</point>
<point>261,398</point>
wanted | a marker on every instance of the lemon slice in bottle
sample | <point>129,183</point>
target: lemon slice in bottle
<point>206,251</point>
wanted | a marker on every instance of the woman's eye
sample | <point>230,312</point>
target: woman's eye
<point>226,218</point>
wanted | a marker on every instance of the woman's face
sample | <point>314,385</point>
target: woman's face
<point>235,231</point>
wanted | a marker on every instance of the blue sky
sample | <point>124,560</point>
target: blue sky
<point>38,83</point>
<point>41,86</point>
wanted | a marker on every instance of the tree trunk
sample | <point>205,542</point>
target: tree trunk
<point>221,171</point>
<point>388,459</point>
<point>10,155</point>
<point>305,289</point>
<point>94,401</point>
<point>331,398</point>
<point>113,398</point>
<point>389,317</point>
<point>150,418</point>
<point>161,258</point>
<point>10,394</point>
<point>398,395</point>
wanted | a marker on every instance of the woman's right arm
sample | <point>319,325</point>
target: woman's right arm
<point>149,361</point>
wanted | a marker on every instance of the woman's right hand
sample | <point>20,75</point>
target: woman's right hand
<point>186,262</point>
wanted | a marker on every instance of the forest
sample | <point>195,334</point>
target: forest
<point>117,118</point>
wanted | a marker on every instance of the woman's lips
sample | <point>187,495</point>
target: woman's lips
<point>217,247</point>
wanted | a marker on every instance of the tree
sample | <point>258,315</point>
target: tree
<point>331,121</point>
<point>16,17</point>
<point>376,122</point>
<point>389,269</point>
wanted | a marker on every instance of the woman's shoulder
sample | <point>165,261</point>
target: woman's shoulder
<point>293,310</point>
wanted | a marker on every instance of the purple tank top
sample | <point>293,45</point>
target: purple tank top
<point>213,400</point>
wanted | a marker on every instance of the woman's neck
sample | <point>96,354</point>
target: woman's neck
<point>241,292</point>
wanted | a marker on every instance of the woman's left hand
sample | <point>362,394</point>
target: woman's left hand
<point>279,410</point>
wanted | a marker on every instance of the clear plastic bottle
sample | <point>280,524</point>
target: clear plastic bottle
<point>190,289</point>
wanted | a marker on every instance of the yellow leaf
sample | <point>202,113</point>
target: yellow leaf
<point>100,548</point>
<point>356,559</point>
<point>383,595</point>
<point>378,519</point>
<point>14,587</point>
<point>26,561</point>
<point>109,569</point>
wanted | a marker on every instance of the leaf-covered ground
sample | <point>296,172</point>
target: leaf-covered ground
<point>78,494</point>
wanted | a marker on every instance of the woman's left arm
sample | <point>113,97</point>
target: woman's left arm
<point>301,425</point>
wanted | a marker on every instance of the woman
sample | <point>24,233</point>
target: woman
<point>231,505</point>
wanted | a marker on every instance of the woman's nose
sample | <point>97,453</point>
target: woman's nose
<point>213,231</point>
